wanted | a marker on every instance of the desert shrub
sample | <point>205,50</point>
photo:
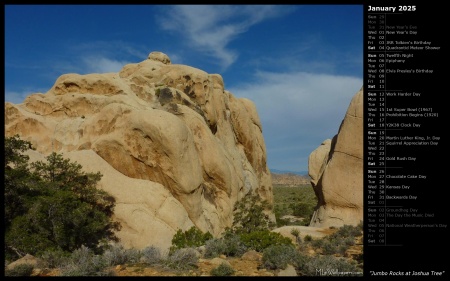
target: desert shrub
<point>182,259</point>
<point>83,262</point>
<point>18,179</point>
<point>295,232</point>
<point>214,248</point>
<point>249,215</point>
<point>349,241</point>
<point>317,243</point>
<point>298,201</point>
<point>360,225</point>
<point>158,92</point>
<point>280,221</point>
<point>330,247</point>
<point>52,205</point>
<point>192,237</point>
<point>279,256</point>
<point>347,231</point>
<point>234,246</point>
<point>55,258</point>
<point>20,270</point>
<point>116,254</point>
<point>338,242</point>
<point>259,240</point>
<point>229,245</point>
<point>302,209</point>
<point>330,265</point>
<point>151,255</point>
<point>308,238</point>
<point>222,270</point>
<point>281,210</point>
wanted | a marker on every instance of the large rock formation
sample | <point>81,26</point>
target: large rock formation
<point>336,171</point>
<point>179,149</point>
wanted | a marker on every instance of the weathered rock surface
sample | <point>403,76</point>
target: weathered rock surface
<point>336,171</point>
<point>288,271</point>
<point>27,259</point>
<point>314,232</point>
<point>179,149</point>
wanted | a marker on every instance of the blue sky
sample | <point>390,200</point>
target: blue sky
<point>299,64</point>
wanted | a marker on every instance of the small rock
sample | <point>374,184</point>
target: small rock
<point>36,272</point>
<point>219,261</point>
<point>251,255</point>
<point>289,271</point>
<point>158,56</point>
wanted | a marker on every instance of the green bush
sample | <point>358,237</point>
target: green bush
<point>308,238</point>
<point>302,209</point>
<point>192,237</point>
<point>55,258</point>
<point>279,256</point>
<point>259,240</point>
<point>222,270</point>
<point>20,270</point>
<point>18,179</point>
<point>248,215</point>
<point>52,205</point>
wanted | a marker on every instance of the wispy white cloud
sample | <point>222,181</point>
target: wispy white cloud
<point>102,56</point>
<point>84,58</point>
<point>18,97</point>
<point>210,28</point>
<point>110,48</point>
<point>102,65</point>
<point>175,58</point>
<point>298,110</point>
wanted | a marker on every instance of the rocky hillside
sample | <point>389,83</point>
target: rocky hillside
<point>289,179</point>
<point>336,171</point>
<point>176,149</point>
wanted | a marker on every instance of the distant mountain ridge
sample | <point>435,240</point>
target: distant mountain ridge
<point>300,173</point>
<point>289,179</point>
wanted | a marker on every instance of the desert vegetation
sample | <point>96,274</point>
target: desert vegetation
<point>52,205</point>
<point>294,205</point>
<point>54,212</point>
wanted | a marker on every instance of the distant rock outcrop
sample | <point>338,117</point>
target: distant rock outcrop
<point>289,179</point>
<point>336,171</point>
<point>187,150</point>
